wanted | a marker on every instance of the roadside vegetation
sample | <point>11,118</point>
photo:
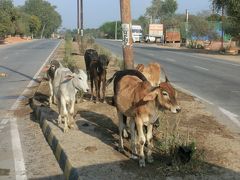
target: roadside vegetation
<point>36,18</point>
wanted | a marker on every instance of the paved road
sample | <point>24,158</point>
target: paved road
<point>21,62</point>
<point>24,152</point>
<point>212,80</point>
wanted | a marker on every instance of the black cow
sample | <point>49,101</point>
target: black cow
<point>98,72</point>
<point>89,56</point>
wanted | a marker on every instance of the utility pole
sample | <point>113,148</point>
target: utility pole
<point>125,10</point>
<point>187,27</point>
<point>222,38</point>
<point>80,22</point>
<point>116,30</point>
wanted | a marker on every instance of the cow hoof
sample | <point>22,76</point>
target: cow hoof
<point>150,159</point>
<point>72,126</point>
<point>142,163</point>
<point>134,156</point>
<point>65,130</point>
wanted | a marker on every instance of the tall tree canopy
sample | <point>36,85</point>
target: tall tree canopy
<point>7,17</point>
<point>161,8</point>
<point>232,21</point>
<point>46,13</point>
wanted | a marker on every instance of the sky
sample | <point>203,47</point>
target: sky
<point>96,12</point>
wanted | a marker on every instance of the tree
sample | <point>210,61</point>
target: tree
<point>21,24</point>
<point>161,8</point>
<point>232,7</point>
<point>231,23</point>
<point>7,17</point>
<point>108,29</point>
<point>143,22</point>
<point>200,28</point>
<point>34,25</point>
<point>47,14</point>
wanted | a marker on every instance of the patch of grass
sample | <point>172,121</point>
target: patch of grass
<point>68,60</point>
<point>179,150</point>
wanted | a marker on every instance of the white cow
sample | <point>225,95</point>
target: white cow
<point>65,86</point>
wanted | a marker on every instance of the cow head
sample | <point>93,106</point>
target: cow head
<point>93,54</point>
<point>54,65</point>
<point>79,80</point>
<point>166,96</point>
<point>103,60</point>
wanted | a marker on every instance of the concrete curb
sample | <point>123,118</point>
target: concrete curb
<point>69,171</point>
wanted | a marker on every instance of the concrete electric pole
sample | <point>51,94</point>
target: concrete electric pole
<point>186,26</point>
<point>80,21</point>
<point>125,10</point>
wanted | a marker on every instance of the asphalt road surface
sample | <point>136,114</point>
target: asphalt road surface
<point>21,62</point>
<point>216,82</point>
<point>24,153</point>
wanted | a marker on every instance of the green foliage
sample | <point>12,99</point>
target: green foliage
<point>143,22</point>
<point>232,22</point>
<point>47,14</point>
<point>7,17</point>
<point>169,7</point>
<point>199,26</point>
<point>22,23</point>
<point>68,60</point>
<point>34,24</point>
<point>161,8</point>
<point>34,17</point>
<point>108,30</point>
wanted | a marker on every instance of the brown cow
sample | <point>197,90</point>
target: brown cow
<point>136,98</point>
<point>152,72</point>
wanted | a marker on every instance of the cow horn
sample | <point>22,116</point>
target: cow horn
<point>155,87</point>
<point>166,78</point>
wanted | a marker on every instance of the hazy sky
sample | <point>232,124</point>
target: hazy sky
<point>96,12</point>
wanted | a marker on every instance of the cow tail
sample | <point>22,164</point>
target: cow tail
<point>111,79</point>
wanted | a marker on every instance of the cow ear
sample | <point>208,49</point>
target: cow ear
<point>69,77</point>
<point>150,96</point>
<point>140,67</point>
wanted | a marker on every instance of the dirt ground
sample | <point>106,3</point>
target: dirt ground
<point>11,40</point>
<point>217,148</point>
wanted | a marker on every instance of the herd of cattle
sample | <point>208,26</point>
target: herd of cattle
<point>139,95</point>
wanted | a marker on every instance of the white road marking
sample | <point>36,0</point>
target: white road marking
<point>207,58</point>
<point>171,60</point>
<point>199,67</point>
<point>4,121</point>
<point>20,170</point>
<point>232,116</point>
<point>236,91</point>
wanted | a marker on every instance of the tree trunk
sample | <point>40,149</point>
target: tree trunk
<point>43,30</point>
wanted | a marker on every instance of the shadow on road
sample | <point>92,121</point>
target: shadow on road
<point>22,74</point>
